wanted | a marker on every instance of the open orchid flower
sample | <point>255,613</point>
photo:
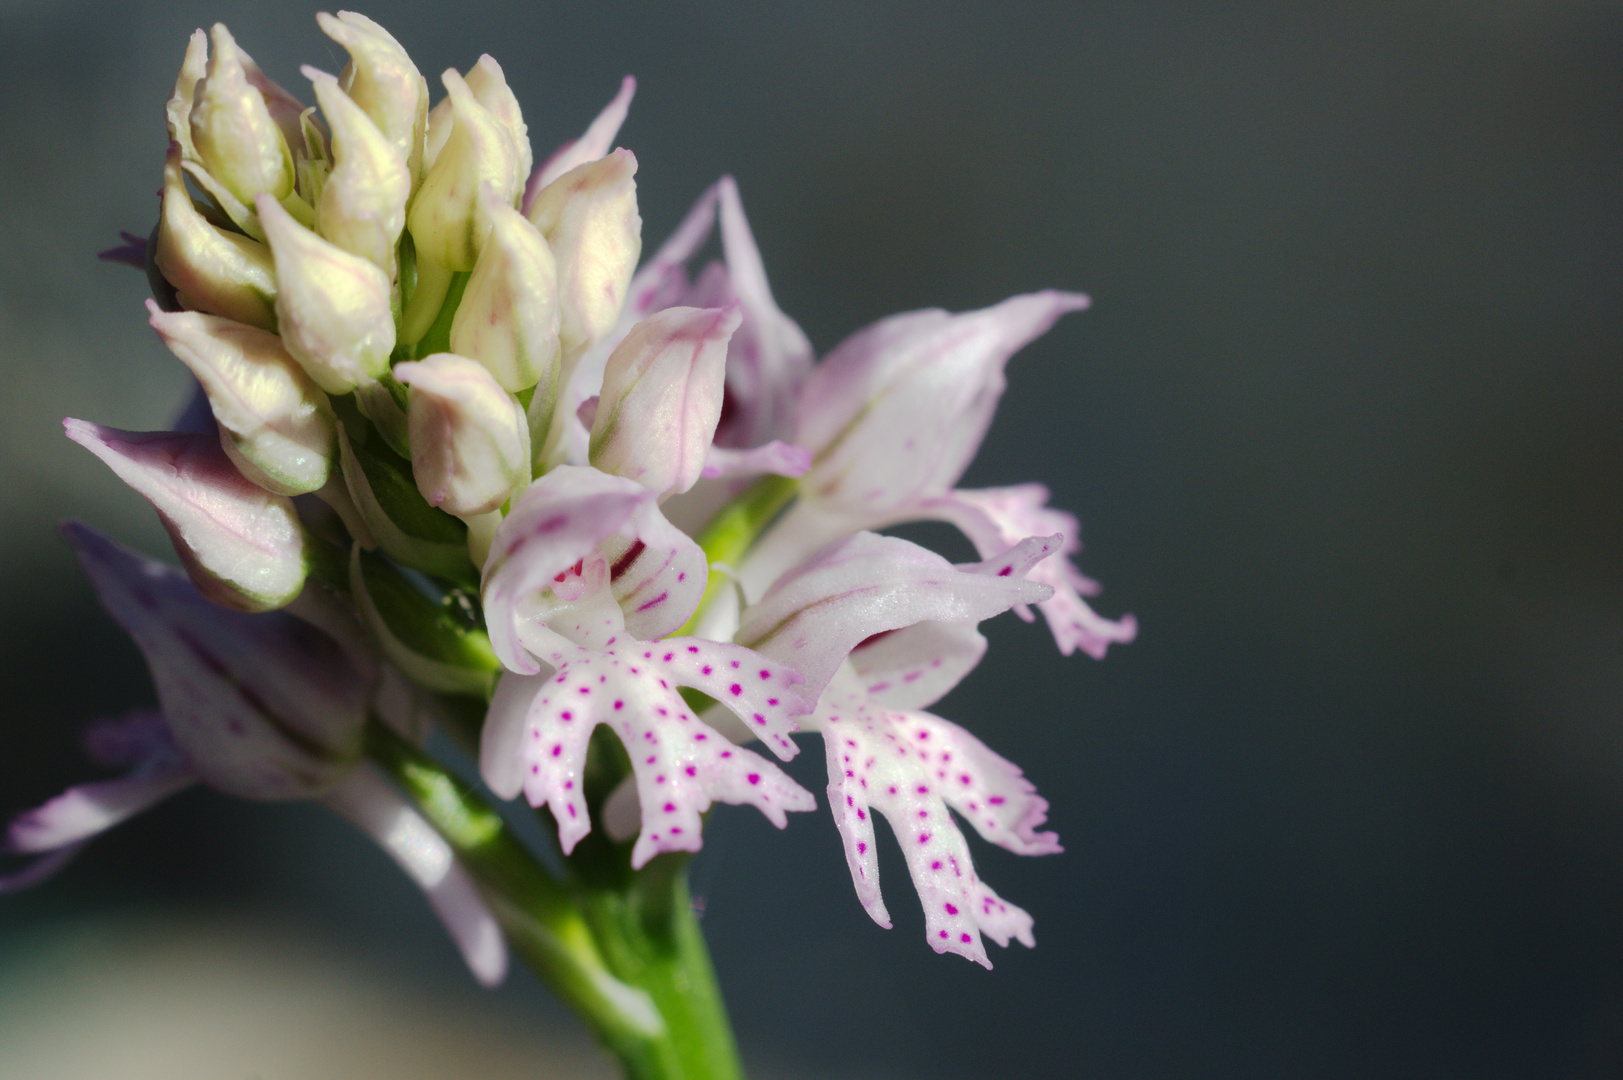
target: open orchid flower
<point>913,616</point>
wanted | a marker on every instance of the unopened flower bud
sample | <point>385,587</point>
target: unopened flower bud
<point>490,89</point>
<point>275,423</point>
<point>264,706</point>
<point>662,390</point>
<point>470,442</point>
<point>589,217</point>
<point>242,545</point>
<point>383,81</point>
<point>233,131</point>
<point>508,318</point>
<point>362,207</point>
<point>448,223</point>
<point>212,270</point>
<point>333,307</point>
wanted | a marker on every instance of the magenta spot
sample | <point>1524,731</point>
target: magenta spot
<point>676,832</point>
<point>862,815</point>
<point>996,800</point>
<point>923,790</point>
<point>652,759</point>
<point>611,641</point>
<point>1006,571</point>
<point>561,678</point>
<point>565,715</point>
<point>964,778</point>
<point>951,910</point>
<point>774,701</point>
<point>893,789</point>
<point>568,784</point>
<point>647,656</point>
<point>660,779</point>
<point>924,813</point>
<point>619,704</point>
<point>668,657</point>
<point>683,576</point>
<point>862,849</point>
<point>943,933</point>
<point>754,778</point>
<point>660,599</point>
<point>759,719</point>
<point>571,809</point>
<point>765,674</point>
<point>700,737</point>
<point>586,689</point>
<point>558,749</point>
<point>691,771</point>
<point>707,669</point>
<point>924,838</point>
<point>736,689</point>
<point>735,663</point>
<point>936,865</point>
<point>670,808</point>
<point>726,753</point>
<point>964,938</point>
<point>535,769</point>
<point>693,648</point>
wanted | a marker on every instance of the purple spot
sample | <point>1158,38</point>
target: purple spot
<point>619,704</point>
<point>862,849</point>
<point>660,599</point>
<point>676,832</point>
<point>924,838</point>
<point>670,808</point>
<point>943,933</point>
<point>774,701</point>
<point>564,716</point>
<point>571,809</point>
<point>996,800</point>
<point>759,719</point>
<point>951,910</point>
<point>754,778</point>
<point>586,689</point>
<point>707,669</point>
<point>652,758</point>
<point>735,663</point>
<point>736,689</point>
<point>964,778</point>
<point>691,771</point>
<point>766,674</point>
<point>964,938</point>
<point>558,749</point>
<point>693,648</point>
<point>668,657</point>
<point>683,576</point>
<point>535,769</point>
<point>1005,572</point>
<point>936,865</point>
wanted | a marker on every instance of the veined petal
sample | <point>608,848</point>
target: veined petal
<point>273,420</point>
<point>898,410</point>
<point>681,765</point>
<point>915,666</point>
<point>242,545</point>
<point>597,141</point>
<point>508,318</point>
<point>661,398</point>
<point>84,810</point>
<point>780,458</point>
<point>367,801</point>
<point>770,358</point>
<point>812,617</point>
<point>992,516</point>
<point>911,767</point>
<point>263,706</point>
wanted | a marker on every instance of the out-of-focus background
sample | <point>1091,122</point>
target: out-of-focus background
<point>1343,429</point>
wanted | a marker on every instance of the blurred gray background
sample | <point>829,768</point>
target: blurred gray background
<point>1342,429</point>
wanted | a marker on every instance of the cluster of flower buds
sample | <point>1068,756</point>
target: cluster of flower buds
<point>472,450</point>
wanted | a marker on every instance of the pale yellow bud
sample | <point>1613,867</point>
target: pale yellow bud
<point>383,81</point>
<point>362,207</point>
<point>490,89</point>
<point>470,442</point>
<point>212,270</point>
<point>233,131</point>
<point>589,218</point>
<point>508,318</point>
<point>333,307</point>
<point>275,423</point>
<point>447,221</point>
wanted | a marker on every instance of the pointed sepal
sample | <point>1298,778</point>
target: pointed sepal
<point>470,441</point>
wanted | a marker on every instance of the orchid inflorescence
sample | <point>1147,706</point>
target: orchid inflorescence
<point>454,454</point>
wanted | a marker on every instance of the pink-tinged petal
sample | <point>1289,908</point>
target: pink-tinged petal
<point>681,765</point>
<point>779,458</point>
<point>570,534</point>
<point>84,810</point>
<point>911,767</point>
<point>915,666</point>
<point>992,518</point>
<point>40,870</point>
<point>770,359</point>
<point>898,410</point>
<point>367,801</point>
<point>662,281</point>
<point>661,398</point>
<point>590,220</point>
<point>501,759</point>
<point>263,706</point>
<point>470,442</point>
<point>122,742</point>
<point>242,545</point>
<point>812,617</point>
<point>597,141</point>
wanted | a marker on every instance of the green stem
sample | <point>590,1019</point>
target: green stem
<point>626,953</point>
<point>733,530</point>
